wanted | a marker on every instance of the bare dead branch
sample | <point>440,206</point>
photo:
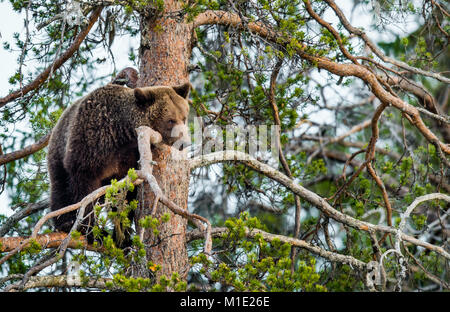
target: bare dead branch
<point>295,242</point>
<point>145,136</point>
<point>430,276</point>
<point>353,130</point>
<point>84,202</point>
<point>307,195</point>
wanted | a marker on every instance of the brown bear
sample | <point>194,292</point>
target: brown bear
<point>95,140</point>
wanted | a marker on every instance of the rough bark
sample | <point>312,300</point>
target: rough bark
<point>164,57</point>
<point>51,240</point>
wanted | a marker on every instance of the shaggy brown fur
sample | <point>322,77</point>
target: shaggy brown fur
<point>95,139</point>
<point>127,76</point>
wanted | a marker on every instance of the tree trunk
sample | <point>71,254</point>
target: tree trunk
<point>164,57</point>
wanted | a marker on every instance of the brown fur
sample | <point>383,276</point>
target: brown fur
<point>95,140</point>
<point>127,76</point>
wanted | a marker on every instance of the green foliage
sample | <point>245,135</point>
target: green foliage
<point>33,248</point>
<point>257,264</point>
<point>128,284</point>
<point>344,280</point>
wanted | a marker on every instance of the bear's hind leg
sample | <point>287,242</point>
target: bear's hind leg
<point>60,197</point>
<point>82,184</point>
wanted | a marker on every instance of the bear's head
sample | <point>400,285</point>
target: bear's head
<point>167,110</point>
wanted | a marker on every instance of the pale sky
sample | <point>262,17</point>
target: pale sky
<point>8,25</point>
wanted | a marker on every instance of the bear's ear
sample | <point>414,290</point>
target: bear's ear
<point>183,90</point>
<point>144,97</point>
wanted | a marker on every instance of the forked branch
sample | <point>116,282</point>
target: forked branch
<point>310,196</point>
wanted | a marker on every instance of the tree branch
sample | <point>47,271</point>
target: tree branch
<point>376,50</point>
<point>33,148</point>
<point>39,80</point>
<point>22,213</point>
<point>145,136</point>
<point>295,242</point>
<point>276,117</point>
<point>51,240</point>
<point>62,281</point>
<point>306,194</point>
<point>343,70</point>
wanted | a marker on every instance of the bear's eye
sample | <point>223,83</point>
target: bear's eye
<point>172,122</point>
